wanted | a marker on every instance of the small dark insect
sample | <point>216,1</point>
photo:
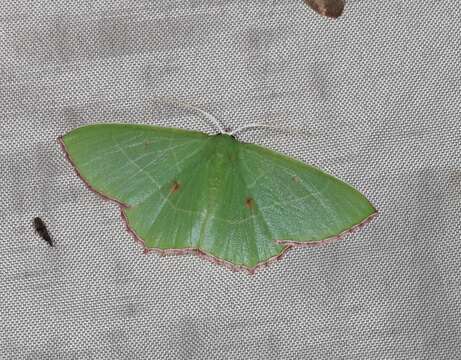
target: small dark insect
<point>41,229</point>
<point>330,8</point>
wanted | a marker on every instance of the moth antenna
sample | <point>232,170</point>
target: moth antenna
<point>256,125</point>
<point>206,114</point>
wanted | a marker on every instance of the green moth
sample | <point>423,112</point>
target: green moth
<point>237,204</point>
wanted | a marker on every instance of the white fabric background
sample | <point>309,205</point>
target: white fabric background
<point>379,90</point>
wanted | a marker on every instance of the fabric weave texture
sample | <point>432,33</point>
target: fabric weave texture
<point>373,98</point>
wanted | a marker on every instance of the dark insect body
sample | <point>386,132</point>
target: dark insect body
<point>41,230</point>
<point>329,8</point>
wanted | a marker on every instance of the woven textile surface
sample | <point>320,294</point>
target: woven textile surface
<point>373,98</point>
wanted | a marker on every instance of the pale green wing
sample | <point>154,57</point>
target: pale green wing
<point>129,163</point>
<point>299,203</point>
<point>209,211</point>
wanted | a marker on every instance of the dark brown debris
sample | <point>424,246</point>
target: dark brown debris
<point>329,8</point>
<point>41,230</point>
